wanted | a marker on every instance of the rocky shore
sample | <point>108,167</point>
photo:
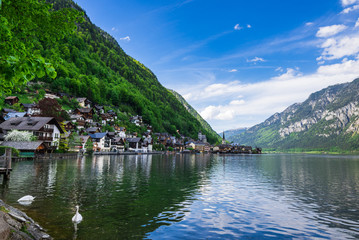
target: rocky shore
<point>16,225</point>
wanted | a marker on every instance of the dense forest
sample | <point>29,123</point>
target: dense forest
<point>84,61</point>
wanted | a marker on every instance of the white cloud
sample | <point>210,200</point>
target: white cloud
<point>237,27</point>
<point>126,39</point>
<point>308,24</point>
<point>348,2</point>
<point>233,70</point>
<point>257,101</point>
<point>338,48</point>
<point>249,26</point>
<point>114,29</point>
<point>329,31</point>
<point>279,69</point>
<point>357,23</point>
<point>256,59</point>
<point>350,9</point>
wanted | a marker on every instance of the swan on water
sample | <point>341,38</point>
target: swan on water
<point>77,218</point>
<point>26,200</point>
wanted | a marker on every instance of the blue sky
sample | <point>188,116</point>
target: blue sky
<point>237,62</point>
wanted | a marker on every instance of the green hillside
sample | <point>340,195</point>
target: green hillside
<point>194,113</point>
<point>327,121</point>
<point>90,63</point>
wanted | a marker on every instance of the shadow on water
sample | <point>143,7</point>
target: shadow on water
<point>120,197</point>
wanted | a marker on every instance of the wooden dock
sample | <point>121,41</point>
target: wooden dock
<point>5,164</point>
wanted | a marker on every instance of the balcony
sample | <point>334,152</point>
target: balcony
<point>48,130</point>
<point>42,138</point>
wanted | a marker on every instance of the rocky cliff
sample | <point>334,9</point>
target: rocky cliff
<point>327,120</point>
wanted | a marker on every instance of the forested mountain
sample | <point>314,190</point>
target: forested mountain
<point>328,120</point>
<point>194,113</point>
<point>90,63</point>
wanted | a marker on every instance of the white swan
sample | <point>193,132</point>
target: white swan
<point>77,218</point>
<point>26,200</point>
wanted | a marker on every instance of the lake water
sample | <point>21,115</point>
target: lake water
<point>192,196</point>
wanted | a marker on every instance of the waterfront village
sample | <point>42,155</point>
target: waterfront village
<point>92,129</point>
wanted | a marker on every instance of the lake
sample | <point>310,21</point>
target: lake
<point>201,196</point>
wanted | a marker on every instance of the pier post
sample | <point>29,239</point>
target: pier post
<point>8,152</point>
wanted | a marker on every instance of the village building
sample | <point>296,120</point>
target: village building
<point>87,113</point>
<point>12,100</point>
<point>31,109</point>
<point>137,120</point>
<point>46,129</point>
<point>92,130</point>
<point>14,115</point>
<point>27,149</point>
<point>84,102</point>
<point>99,109</point>
<point>118,144</point>
<point>69,126</point>
<point>5,111</point>
<point>98,140</point>
<point>134,144</point>
<point>121,131</point>
<point>202,138</point>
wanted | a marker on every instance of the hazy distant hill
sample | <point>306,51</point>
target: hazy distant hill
<point>327,120</point>
<point>194,113</point>
<point>230,135</point>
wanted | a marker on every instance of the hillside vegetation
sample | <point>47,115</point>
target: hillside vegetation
<point>90,63</point>
<point>327,121</point>
<point>195,114</point>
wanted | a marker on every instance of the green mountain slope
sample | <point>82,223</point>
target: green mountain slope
<point>90,63</point>
<point>195,114</point>
<point>327,120</point>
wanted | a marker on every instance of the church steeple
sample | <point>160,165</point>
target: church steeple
<point>223,139</point>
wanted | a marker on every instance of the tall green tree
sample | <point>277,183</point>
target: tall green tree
<point>24,25</point>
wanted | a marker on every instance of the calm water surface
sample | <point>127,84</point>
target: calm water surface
<point>192,196</point>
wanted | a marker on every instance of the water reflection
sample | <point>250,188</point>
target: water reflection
<point>192,196</point>
<point>125,196</point>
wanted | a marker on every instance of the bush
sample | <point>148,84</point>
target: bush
<point>15,152</point>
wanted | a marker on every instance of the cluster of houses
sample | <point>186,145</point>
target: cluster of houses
<point>83,133</point>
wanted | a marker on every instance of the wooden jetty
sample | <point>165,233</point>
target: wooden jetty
<point>5,163</point>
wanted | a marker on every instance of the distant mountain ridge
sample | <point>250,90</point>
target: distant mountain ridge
<point>327,120</point>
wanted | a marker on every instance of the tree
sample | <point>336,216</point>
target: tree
<point>51,108</point>
<point>24,25</point>
<point>19,136</point>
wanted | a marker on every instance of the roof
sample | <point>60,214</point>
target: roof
<point>84,138</point>
<point>81,99</point>
<point>75,116</point>
<point>92,129</point>
<point>14,115</point>
<point>98,135</point>
<point>7,110</point>
<point>29,105</point>
<point>84,110</point>
<point>23,145</point>
<point>29,123</point>
<point>11,97</point>
<point>133,140</point>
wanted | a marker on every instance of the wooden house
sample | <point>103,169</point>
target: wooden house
<point>12,100</point>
